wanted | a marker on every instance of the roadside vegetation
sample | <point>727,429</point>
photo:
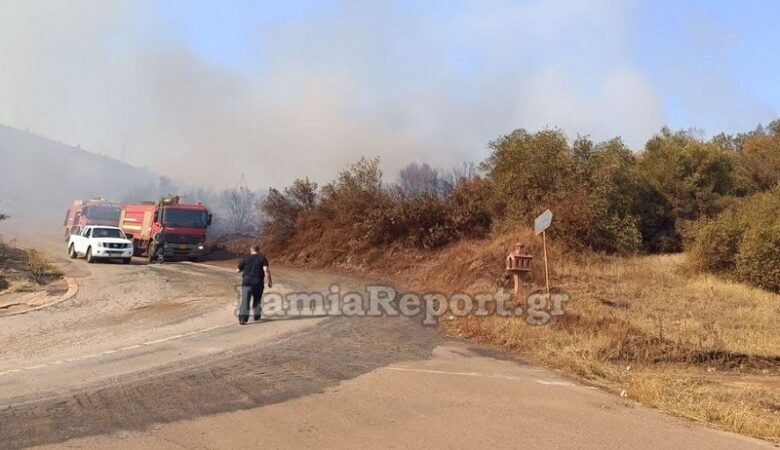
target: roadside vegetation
<point>23,269</point>
<point>680,192</point>
<point>690,333</point>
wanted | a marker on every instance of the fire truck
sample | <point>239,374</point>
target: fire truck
<point>96,211</point>
<point>167,229</point>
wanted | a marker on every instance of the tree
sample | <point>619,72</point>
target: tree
<point>3,217</point>
<point>242,209</point>
<point>303,193</point>
<point>415,179</point>
<point>284,207</point>
<point>449,180</point>
<point>684,179</point>
<point>758,167</point>
<point>610,172</point>
<point>529,172</point>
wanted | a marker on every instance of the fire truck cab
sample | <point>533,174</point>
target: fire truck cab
<point>96,211</point>
<point>166,229</point>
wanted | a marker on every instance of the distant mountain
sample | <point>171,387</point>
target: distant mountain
<point>40,177</point>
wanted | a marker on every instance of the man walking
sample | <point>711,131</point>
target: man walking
<point>254,268</point>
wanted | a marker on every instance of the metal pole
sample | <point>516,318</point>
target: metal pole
<point>546,271</point>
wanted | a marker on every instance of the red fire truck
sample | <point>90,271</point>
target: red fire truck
<point>166,229</point>
<point>96,211</point>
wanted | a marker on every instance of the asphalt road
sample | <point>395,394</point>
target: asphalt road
<point>152,356</point>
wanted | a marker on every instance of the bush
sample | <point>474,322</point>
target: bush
<point>39,268</point>
<point>468,206</point>
<point>356,212</point>
<point>742,242</point>
<point>420,221</point>
<point>351,208</point>
<point>715,243</point>
<point>284,208</point>
<point>758,259</point>
<point>428,222</point>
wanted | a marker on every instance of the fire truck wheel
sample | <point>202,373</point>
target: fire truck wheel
<point>72,252</point>
<point>90,259</point>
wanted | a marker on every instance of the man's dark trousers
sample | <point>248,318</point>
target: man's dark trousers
<point>255,293</point>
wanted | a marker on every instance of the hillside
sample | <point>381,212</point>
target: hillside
<point>39,177</point>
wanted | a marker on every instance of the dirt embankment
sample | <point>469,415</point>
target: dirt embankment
<point>693,345</point>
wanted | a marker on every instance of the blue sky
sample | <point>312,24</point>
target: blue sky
<point>304,88</point>
<point>227,32</point>
<point>732,43</point>
<point>716,43</point>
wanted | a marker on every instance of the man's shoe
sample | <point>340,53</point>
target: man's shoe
<point>257,317</point>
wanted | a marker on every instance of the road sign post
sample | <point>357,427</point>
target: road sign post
<point>541,224</point>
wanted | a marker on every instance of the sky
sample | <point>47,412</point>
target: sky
<point>204,91</point>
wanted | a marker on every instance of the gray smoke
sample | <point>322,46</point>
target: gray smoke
<point>365,79</point>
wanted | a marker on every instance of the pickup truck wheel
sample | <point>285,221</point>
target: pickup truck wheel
<point>90,259</point>
<point>126,260</point>
<point>72,252</point>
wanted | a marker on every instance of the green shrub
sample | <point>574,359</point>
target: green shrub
<point>716,242</point>
<point>758,259</point>
<point>742,242</point>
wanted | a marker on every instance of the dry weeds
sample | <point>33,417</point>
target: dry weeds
<point>24,269</point>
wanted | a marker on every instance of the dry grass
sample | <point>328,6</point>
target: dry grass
<point>22,269</point>
<point>692,345</point>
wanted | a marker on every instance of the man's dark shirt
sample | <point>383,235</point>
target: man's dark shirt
<point>252,268</point>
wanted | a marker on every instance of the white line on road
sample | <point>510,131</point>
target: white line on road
<point>112,351</point>
<point>487,375</point>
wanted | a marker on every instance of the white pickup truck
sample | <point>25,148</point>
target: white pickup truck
<point>100,242</point>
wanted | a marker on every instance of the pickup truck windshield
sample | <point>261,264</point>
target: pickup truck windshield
<point>102,213</point>
<point>107,233</point>
<point>190,218</point>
